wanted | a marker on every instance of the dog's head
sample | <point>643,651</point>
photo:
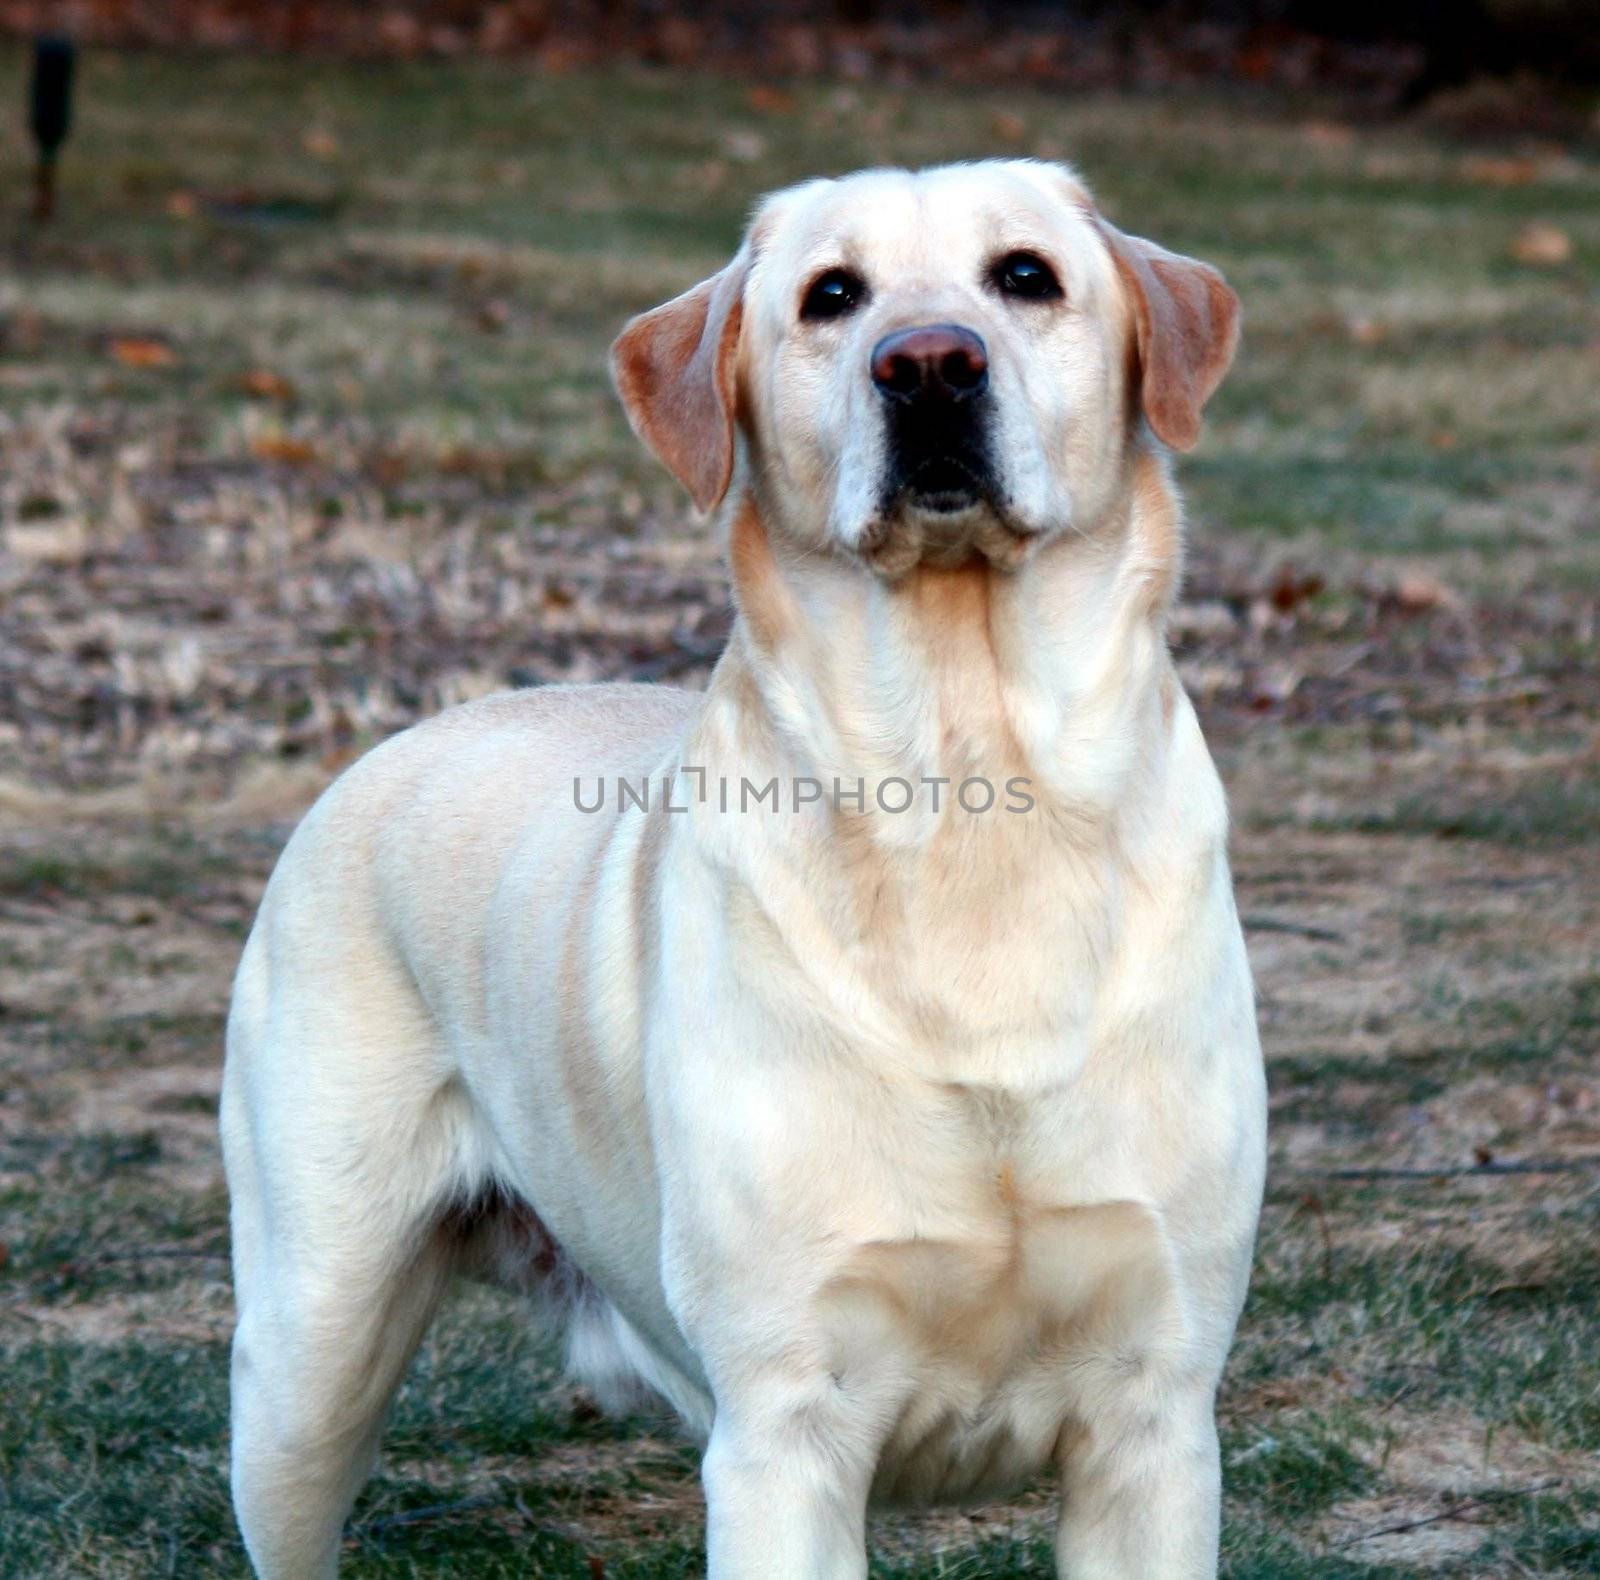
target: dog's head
<point>929,365</point>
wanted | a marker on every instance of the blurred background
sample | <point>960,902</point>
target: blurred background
<point>305,434</point>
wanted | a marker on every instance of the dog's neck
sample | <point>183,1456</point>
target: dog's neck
<point>1056,672</point>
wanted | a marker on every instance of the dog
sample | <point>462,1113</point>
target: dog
<point>905,1137</point>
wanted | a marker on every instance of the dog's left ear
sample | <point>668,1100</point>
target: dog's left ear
<point>674,368</point>
<point>1186,326</point>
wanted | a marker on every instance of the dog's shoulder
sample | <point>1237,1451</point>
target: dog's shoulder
<point>540,725</point>
<point>617,711</point>
<point>463,783</point>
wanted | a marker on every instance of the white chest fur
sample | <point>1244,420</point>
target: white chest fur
<point>1001,1336</point>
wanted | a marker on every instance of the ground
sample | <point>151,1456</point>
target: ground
<point>304,434</point>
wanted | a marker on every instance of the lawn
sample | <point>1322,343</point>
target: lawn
<point>305,434</point>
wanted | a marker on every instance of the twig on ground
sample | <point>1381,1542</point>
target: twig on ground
<point>1276,924</point>
<point>366,1529</point>
<point>172,1254</point>
<point>1500,881</point>
<point>1454,1512</point>
<point>431,1511</point>
<point>1588,1160</point>
<point>1312,1202</point>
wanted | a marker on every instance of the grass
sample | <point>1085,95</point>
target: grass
<point>1547,812</point>
<point>371,466</point>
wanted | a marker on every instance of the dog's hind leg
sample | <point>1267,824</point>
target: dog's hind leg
<point>342,1161</point>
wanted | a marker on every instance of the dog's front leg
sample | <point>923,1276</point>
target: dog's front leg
<point>786,1477</point>
<point>1141,1494</point>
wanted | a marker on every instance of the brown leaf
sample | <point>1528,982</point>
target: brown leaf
<point>283,449</point>
<point>1008,127</point>
<point>1290,589</point>
<point>320,144</point>
<point>1542,244</point>
<point>264,384</point>
<point>1491,172</point>
<point>1256,62</point>
<point>492,316</point>
<point>140,351</point>
<point>770,101</point>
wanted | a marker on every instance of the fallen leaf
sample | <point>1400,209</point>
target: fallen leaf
<point>1256,62</point>
<point>1367,331</point>
<point>1290,589</point>
<point>1542,244</point>
<point>319,144</point>
<point>492,316</point>
<point>283,449</point>
<point>1008,127</point>
<point>264,384</point>
<point>1491,172</point>
<point>182,205</point>
<point>770,101</point>
<point>1416,594</point>
<point>139,351</point>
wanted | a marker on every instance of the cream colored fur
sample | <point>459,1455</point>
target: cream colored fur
<point>908,1156</point>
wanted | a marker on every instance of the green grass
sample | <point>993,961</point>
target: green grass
<point>160,864</point>
<point>1548,812</point>
<point>113,1454</point>
<point>1440,1327</point>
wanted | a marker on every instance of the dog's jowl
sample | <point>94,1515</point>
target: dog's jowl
<point>907,1141</point>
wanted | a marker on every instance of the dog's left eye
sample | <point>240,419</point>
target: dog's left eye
<point>1025,274</point>
<point>833,294</point>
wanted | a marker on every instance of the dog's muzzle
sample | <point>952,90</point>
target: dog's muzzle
<point>934,384</point>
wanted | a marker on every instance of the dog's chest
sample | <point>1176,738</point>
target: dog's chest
<point>1002,1316</point>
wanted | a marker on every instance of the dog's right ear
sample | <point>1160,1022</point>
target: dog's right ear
<point>674,368</point>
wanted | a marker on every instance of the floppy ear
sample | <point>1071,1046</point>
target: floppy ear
<point>674,369</point>
<point>1186,326</point>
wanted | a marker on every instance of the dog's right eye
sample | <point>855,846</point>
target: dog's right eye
<point>833,294</point>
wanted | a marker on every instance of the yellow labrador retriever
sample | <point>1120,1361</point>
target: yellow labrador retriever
<point>860,1056</point>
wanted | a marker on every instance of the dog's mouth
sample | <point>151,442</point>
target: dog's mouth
<point>946,485</point>
<point>940,460</point>
<point>942,502</point>
<point>946,511</point>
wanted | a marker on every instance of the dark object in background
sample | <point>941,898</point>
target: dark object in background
<point>50,115</point>
<point>1456,40</point>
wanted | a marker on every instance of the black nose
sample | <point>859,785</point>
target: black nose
<point>934,361</point>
